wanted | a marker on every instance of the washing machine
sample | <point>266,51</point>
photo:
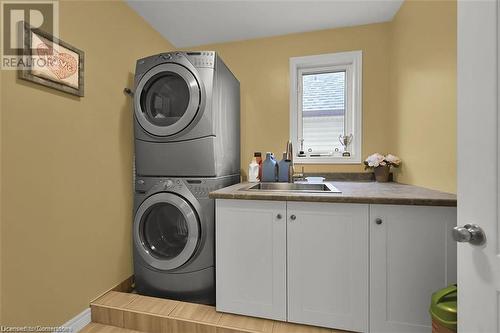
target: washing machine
<point>174,236</point>
<point>187,116</point>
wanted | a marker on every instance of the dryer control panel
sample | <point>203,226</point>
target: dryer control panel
<point>202,59</point>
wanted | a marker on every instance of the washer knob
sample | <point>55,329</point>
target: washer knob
<point>168,183</point>
<point>140,182</point>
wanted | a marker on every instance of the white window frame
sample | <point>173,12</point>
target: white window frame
<point>351,62</point>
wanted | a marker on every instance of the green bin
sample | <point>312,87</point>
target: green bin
<point>444,310</point>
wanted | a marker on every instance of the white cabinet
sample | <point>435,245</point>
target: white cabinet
<point>251,258</point>
<point>328,265</point>
<point>356,267</point>
<point>412,255</point>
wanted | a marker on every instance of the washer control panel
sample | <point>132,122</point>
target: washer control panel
<point>143,185</point>
<point>170,184</point>
<point>198,187</point>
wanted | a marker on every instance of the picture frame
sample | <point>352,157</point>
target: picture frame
<point>51,62</point>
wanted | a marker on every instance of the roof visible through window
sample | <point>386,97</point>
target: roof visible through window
<point>323,94</point>
<point>323,110</point>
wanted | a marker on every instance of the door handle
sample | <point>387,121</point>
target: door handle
<point>469,233</point>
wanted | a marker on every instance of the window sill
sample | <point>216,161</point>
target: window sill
<point>327,160</point>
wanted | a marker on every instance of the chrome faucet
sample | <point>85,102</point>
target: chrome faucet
<point>292,176</point>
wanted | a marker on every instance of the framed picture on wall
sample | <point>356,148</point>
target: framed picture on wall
<point>52,62</point>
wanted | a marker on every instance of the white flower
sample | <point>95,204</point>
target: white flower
<point>393,159</point>
<point>375,160</point>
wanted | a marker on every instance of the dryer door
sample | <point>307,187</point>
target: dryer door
<point>167,99</point>
<point>166,231</point>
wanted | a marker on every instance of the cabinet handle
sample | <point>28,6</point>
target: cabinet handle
<point>293,217</point>
<point>378,220</point>
<point>279,216</point>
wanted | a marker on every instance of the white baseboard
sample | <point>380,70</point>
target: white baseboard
<point>78,322</point>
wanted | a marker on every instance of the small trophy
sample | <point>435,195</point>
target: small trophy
<point>345,141</point>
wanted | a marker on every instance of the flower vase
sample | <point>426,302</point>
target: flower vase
<point>382,173</point>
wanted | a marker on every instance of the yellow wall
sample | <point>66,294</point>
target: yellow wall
<point>262,66</point>
<point>67,171</point>
<point>423,92</point>
<point>1,206</point>
<point>409,89</point>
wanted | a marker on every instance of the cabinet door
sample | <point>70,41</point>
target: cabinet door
<point>251,258</point>
<point>412,255</point>
<point>328,265</point>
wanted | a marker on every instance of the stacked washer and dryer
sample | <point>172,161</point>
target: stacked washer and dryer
<point>187,144</point>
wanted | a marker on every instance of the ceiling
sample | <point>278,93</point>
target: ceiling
<point>189,23</point>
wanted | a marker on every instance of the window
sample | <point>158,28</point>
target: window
<point>325,108</point>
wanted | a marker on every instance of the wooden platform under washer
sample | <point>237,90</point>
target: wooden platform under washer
<point>118,312</point>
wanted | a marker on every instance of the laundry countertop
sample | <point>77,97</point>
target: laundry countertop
<point>351,192</point>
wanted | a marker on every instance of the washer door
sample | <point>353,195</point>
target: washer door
<point>167,99</point>
<point>166,231</point>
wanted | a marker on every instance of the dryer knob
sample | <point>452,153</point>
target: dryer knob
<point>169,183</point>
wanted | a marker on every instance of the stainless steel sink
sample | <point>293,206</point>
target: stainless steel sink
<point>294,187</point>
